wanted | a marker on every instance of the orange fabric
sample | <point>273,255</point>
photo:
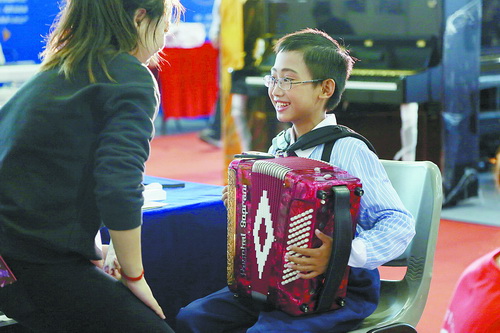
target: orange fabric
<point>232,57</point>
<point>231,138</point>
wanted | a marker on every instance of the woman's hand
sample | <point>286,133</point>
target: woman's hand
<point>127,245</point>
<point>110,261</point>
<point>113,270</point>
<point>315,261</point>
<point>143,292</point>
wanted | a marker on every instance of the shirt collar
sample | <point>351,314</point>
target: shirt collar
<point>329,120</point>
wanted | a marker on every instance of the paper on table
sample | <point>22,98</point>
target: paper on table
<point>154,192</point>
<point>153,204</point>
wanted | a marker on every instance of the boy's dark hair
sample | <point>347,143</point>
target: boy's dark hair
<point>323,56</point>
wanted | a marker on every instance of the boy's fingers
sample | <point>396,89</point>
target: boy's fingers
<point>303,251</point>
<point>309,275</point>
<point>301,268</point>
<point>297,260</point>
<point>324,238</point>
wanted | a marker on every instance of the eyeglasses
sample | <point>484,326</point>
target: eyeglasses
<point>284,83</point>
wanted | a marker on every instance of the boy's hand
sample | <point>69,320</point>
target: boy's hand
<point>315,261</point>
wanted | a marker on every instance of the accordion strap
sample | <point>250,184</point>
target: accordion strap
<point>342,242</point>
<point>341,247</point>
<point>327,135</point>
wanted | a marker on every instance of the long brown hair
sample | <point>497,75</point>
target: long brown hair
<point>94,30</point>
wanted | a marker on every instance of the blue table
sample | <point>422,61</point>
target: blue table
<point>184,245</point>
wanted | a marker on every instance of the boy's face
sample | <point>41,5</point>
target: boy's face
<point>301,104</point>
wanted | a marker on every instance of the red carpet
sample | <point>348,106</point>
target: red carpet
<point>185,157</point>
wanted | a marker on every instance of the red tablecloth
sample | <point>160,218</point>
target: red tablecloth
<point>188,81</point>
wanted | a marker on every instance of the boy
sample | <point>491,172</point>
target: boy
<point>307,80</point>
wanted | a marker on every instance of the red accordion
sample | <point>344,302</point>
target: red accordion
<point>276,203</point>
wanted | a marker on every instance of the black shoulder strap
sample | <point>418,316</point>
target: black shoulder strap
<point>327,135</point>
<point>344,132</point>
<point>327,151</point>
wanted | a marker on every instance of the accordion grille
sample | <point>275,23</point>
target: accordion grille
<point>271,169</point>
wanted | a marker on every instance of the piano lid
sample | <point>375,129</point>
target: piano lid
<point>389,37</point>
<point>399,18</point>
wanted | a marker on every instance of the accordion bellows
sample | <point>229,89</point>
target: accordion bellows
<point>279,202</point>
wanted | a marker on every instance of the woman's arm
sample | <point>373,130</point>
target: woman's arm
<point>127,244</point>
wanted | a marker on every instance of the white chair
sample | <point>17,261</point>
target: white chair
<point>402,302</point>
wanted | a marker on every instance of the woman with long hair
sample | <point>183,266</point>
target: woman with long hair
<point>74,141</point>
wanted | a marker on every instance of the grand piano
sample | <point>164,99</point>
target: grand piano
<point>415,91</point>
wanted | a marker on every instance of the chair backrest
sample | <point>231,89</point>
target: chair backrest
<point>419,186</point>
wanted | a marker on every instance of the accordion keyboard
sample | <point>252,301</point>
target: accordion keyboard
<point>299,234</point>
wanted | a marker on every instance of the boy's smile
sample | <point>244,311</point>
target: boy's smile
<point>302,105</point>
<point>280,106</point>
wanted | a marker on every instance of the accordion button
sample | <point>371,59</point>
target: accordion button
<point>321,195</point>
<point>304,308</point>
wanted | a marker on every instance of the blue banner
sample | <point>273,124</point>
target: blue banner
<point>198,11</point>
<point>25,23</point>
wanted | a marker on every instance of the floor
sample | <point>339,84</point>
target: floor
<point>484,209</point>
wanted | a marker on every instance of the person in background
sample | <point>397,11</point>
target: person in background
<point>212,134</point>
<point>475,304</point>
<point>306,82</point>
<point>74,141</point>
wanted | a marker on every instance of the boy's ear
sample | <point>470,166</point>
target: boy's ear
<point>328,88</point>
